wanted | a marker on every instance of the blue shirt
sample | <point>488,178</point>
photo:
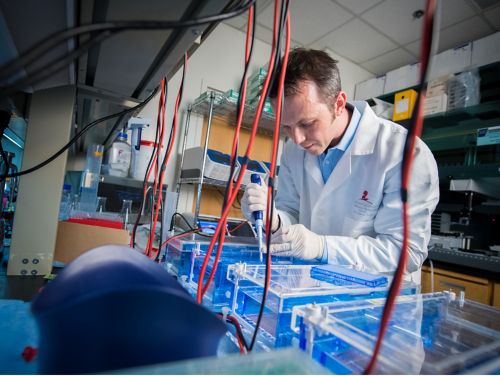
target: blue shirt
<point>328,161</point>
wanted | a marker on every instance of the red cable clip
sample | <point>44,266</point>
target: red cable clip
<point>29,353</point>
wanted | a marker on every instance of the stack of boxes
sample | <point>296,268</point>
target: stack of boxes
<point>254,90</point>
<point>436,99</point>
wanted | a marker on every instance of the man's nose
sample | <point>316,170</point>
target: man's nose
<point>297,136</point>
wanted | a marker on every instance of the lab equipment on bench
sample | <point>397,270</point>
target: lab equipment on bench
<point>253,167</point>
<point>117,157</point>
<point>90,178</point>
<point>136,125</point>
<point>437,333</point>
<point>140,159</point>
<point>217,164</point>
<point>293,285</point>
<point>184,259</point>
<point>65,204</point>
<point>180,251</point>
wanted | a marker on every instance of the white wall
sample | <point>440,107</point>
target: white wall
<point>218,63</point>
<point>350,74</point>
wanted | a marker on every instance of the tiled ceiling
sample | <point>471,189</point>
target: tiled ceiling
<point>377,35</point>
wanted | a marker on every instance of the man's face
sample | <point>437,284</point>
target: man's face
<point>310,122</point>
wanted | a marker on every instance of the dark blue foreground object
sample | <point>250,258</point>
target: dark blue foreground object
<point>114,308</point>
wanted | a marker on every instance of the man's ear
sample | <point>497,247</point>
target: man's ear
<point>340,103</point>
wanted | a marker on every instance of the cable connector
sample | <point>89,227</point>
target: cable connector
<point>225,311</point>
<point>404,195</point>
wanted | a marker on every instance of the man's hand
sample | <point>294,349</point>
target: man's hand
<point>297,241</point>
<point>255,198</point>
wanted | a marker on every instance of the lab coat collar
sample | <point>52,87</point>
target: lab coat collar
<point>366,134</point>
<point>362,144</point>
<point>311,165</point>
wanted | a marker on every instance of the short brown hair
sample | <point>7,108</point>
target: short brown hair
<point>309,65</point>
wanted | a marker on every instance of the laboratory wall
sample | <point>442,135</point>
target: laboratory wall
<point>218,64</point>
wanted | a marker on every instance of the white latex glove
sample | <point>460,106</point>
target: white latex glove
<point>255,198</point>
<point>297,241</point>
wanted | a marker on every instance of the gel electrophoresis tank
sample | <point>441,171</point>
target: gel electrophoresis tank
<point>428,334</point>
<point>293,285</point>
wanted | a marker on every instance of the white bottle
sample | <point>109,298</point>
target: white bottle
<point>118,157</point>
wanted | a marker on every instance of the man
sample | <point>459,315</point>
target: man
<point>339,196</point>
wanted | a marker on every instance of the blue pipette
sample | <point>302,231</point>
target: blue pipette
<point>258,215</point>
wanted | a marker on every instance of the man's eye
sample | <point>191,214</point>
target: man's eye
<point>309,124</point>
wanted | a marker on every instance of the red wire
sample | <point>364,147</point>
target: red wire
<point>238,227</point>
<point>270,187</point>
<point>234,149</point>
<point>233,155</point>
<point>398,275</point>
<point>160,123</point>
<point>176,237</point>
<point>232,197</point>
<point>235,322</point>
<point>153,161</point>
<point>223,220</point>
<point>168,153</point>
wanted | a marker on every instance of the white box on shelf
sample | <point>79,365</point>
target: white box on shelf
<point>485,50</point>
<point>402,78</point>
<point>435,105</point>
<point>451,61</point>
<point>370,88</point>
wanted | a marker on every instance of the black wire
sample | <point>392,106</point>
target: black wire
<point>84,130</point>
<point>54,66</point>
<point>183,218</point>
<point>240,105</point>
<point>170,141</point>
<point>5,161</point>
<point>47,44</point>
<point>144,184</point>
<point>283,14</point>
<point>239,332</point>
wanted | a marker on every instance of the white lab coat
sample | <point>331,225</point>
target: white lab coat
<point>359,208</point>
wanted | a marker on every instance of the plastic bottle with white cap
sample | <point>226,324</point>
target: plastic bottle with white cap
<point>118,156</point>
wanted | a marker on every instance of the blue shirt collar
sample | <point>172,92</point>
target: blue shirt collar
<point>348,136</point>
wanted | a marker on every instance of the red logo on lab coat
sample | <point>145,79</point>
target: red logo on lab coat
<point>364,197</point>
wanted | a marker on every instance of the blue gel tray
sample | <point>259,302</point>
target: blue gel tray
<point>334,272</point>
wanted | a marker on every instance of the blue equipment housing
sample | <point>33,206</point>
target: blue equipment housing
<point>113,308</point>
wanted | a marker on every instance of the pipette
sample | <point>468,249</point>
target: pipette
<point>258,215</point>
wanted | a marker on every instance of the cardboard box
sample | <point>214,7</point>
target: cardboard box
<point>370,88</point>
<point>404,101</point>
<point>438,86</point>
<point>486,50</point>
<point>73,239</point>
<point>402,78</point>
<point>451,61</point>
<point>435,105</point>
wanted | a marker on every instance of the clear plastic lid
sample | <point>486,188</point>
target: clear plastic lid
<point>296,280</point>
<point>428,333</point>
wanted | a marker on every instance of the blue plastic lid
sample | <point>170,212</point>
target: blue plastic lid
<point>122,135</point>
<point>66,187</point>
